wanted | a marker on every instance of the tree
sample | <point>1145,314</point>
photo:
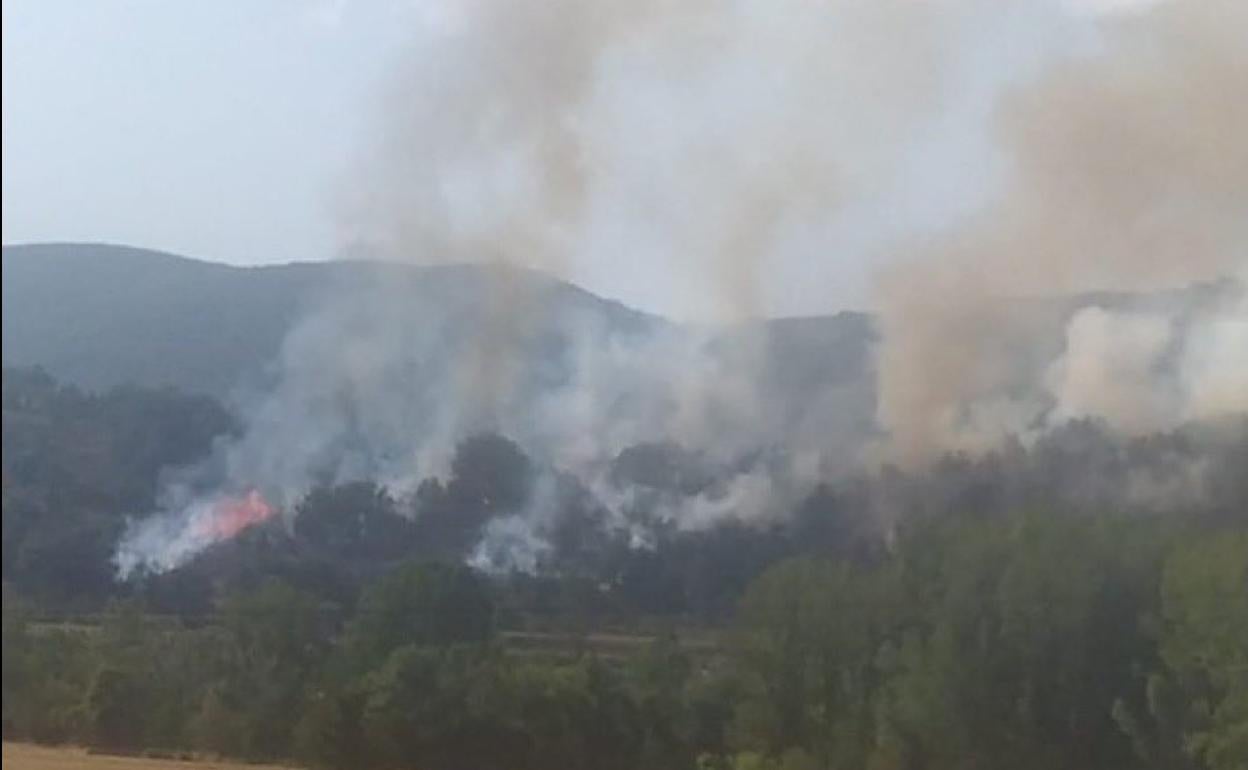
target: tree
<point>1028,634</point>
<point>1205,643</point>
<point>276,625</point>
<point>659,678</point>
<point>218,725</point>
<point>427,603</point>
<point>357,520</point>
<point>444,708</point>
<point>810,634</point>
<point>278,640</point>
<point>490,476</point>
<point>573,715</point>
<point>329,733</point>
<point>115,709</point>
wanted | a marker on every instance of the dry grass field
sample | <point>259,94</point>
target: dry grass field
<point>22,756</point>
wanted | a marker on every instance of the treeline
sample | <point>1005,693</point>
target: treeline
<point>1035,641</point>
<point>75,464</point>
<point>900,621</point>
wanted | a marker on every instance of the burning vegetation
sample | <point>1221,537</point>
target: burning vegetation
<point>998,521</point>
<point>232,515</point>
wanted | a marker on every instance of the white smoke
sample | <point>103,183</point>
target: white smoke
<point>1146,371</point>
<point>165,540</point>
<point>1109,370</point>
<point>720,157</point>
<point>187,524</point>
<point>1125,173</point>
<point>1215,364</point>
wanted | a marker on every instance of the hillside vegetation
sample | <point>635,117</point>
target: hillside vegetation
<point>999,623</point>
<point>1078,601</point>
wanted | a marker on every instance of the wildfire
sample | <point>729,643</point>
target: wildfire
<point>231,515</point>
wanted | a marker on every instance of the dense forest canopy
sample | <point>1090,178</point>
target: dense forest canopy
<point>1030,607</point>
<point>79,466</point>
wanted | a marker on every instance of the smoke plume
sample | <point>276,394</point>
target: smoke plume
<point>1125,172</point>
<point>996,162</point>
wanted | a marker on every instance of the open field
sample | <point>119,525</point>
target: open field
<point>23,756</point>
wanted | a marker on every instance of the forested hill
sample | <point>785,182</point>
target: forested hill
<point>99,316</point>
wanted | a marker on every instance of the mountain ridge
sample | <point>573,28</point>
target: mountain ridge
<point>100,315</point>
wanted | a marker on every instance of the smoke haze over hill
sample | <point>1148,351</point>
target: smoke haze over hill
<point>1026,156</point>
<point>734,384</point>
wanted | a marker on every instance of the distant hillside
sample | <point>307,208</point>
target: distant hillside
<point>100,315</point>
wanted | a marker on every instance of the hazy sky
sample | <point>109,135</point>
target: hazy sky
<point>209,129</point>
<point>223,130</point>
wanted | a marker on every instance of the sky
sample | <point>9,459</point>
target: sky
<point>227,131</point>
<point>214,130</point>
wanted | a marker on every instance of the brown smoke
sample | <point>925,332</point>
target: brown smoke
<point>707,136</point>
<point>1127,169</point>
<point>553,134</point>
<point>563,135</point>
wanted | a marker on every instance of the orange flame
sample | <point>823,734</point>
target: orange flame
<point>231,515</point>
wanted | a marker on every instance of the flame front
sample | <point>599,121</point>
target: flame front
<point>231,515</point>
<point>163,542</point>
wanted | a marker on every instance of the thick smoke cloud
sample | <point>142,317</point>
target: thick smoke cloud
<point>1127,171</point>
<point>706,143</point>
<point>1108,367</point>
<point>998,160</point>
